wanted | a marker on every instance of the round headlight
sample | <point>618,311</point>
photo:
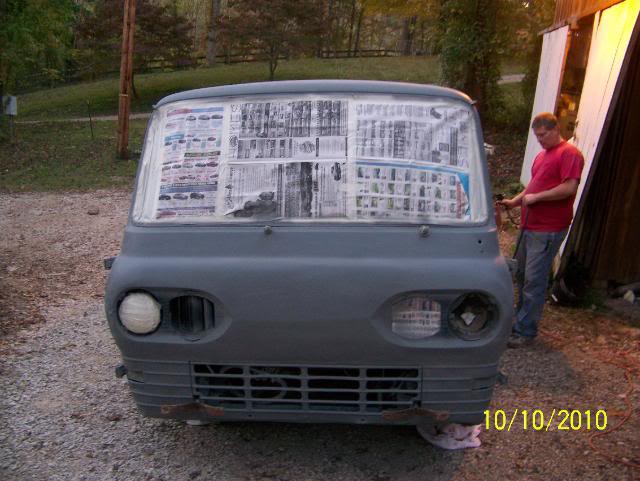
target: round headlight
<point>471,315</point>
<point>139,313</point>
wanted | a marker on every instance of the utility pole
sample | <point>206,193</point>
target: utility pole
<point>126,69</point>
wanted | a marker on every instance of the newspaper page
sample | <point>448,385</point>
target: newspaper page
<point>288,129</point>
<point>412,161</point>
<point>416,317</point>
<point>424,132</point>
<point>388,191</point>
<point>192,140</point>
<point>293,190</point>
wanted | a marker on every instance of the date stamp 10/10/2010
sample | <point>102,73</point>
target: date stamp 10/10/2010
<point>538,420</point>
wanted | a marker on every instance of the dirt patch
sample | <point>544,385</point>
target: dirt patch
<point>53,250</point>
<point>51,268</point>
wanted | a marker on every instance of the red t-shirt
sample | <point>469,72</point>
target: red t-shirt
<point>551,168</point>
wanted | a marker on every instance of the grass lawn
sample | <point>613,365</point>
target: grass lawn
<point>62,156</point>
<point>71,100</point>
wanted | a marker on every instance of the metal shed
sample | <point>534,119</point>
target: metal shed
<point>590,78</point>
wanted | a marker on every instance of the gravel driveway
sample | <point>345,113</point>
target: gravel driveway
<point>64,415</point>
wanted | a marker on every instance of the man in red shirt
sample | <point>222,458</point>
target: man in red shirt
<point>547,211</point>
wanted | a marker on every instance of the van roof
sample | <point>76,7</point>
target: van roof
<point>315,87</point>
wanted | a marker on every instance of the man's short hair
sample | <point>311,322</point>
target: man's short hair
<point>546,120</point>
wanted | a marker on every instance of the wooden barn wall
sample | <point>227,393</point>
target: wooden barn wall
<point>569,10</point>
<point>608,233</point>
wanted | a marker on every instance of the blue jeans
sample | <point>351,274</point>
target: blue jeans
<point>535,257</point>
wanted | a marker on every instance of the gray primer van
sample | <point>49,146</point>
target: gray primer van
<point>312,251</point>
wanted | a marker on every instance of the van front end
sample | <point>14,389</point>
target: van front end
<point>312,251</point>
<point>296,326</point>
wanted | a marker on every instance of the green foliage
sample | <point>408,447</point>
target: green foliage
<point>513,114</point>
<point>63,156</point>
<point>469,50</point>
<point>161,35</point>
<point>475,34</point>
<point>403,8</point>
<point>35,38</point>
<point>276,27</point>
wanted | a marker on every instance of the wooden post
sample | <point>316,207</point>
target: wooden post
<point>126,68</point>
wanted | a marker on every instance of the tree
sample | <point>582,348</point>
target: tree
<point>162,35</point>
<point>35,39</point>
<point>274,27</point>
<point>470,42</point>
<point>340,17</point>
<point>412,13</point>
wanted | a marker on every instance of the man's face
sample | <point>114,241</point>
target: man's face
<point>548,138</point>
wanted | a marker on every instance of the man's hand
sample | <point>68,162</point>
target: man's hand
<point>511,203</point>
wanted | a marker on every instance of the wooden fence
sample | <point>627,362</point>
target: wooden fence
<point>79,74</point>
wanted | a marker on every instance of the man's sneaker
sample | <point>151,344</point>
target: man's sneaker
<point>516,341</point>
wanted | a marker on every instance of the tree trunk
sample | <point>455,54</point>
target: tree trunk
<point>212,50</point>
<point>274,53</point>
<point>356,47</point>
<point>133,86</point>
<point>477,81</point>
<point>328,34</point>
<point>408,31</point>
<point>3,118</point>
<point>352,20</point>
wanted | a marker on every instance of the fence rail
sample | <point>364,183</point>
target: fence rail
<point>357,53</point>
<point>43,80</point>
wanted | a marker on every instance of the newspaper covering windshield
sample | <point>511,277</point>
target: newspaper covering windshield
<point>300,130</point>
<point>346,157</point>
<point>401,192</point>
<point>286,190</point>
<point>413,133</point>
<point>412,161</point>
<point>192,140</point>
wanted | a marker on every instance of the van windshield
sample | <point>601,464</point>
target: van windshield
<point>305,158</point>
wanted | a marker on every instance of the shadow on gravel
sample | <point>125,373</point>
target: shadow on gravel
<point>291,451</point>
<point>542,368</point>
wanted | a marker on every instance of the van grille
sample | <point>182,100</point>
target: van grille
<point>306,388</point>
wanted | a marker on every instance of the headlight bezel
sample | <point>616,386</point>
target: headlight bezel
<point>477,304</point>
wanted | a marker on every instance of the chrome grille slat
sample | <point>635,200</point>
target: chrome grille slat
<point>284,388</point>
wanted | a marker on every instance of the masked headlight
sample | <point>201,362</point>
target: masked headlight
<point>416,317</point>
<point>139,313</point>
